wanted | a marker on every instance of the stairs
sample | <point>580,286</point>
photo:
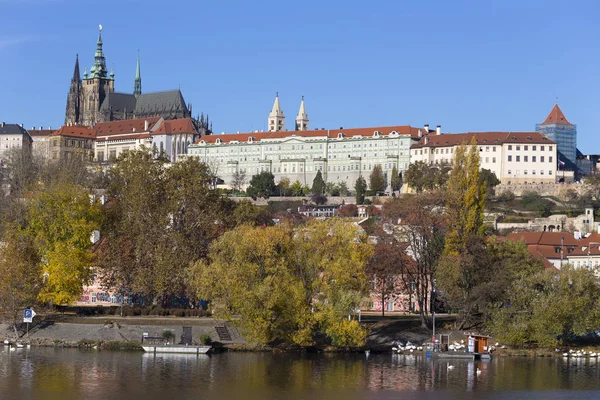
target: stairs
<point>223,332</point>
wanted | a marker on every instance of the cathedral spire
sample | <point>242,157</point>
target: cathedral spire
<point>73,110</point>
<point>302,118</point>
<point>276,120</point>
<point>98,70</point>
<point>76,74</point>
<point>137,85</point>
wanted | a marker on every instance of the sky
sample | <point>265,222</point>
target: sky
<point>465,65</point>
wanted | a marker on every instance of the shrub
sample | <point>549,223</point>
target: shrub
<point>205,339</point>
<point>168,334</point>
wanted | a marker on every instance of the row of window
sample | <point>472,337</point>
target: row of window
<point>526,147</point>
<point>533,172</point>
<point>526,158</point>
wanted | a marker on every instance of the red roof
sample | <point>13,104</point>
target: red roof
<point>75,131</point>
<point>141,135</point>
<point>184,125</point>
<point>329,133</point>
<point>546,238</point>
<point>124,127</point>
<point>482,138</point>
<point>556,116</point>
<point>40,132</point>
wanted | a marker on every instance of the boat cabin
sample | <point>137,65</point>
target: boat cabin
<point>478,344</point>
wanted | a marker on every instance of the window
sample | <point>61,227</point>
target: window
<point>541,158</point>
<point>550,159</point>
<point>487,159</point>
<point>509,158</point>
<point>542,172</point>
<point>549,148</point>
<point>525,148</point>
<point>494,159</point>
<point>525,158</point>
<point>534,148</point>
<point>509,172</point>
<point>510,146</point>
<point>541,148</point>
<point>533,172</point>
<point>487,148</point>
<point>494,148</point>
<point>532,158</point>
<point>518,147</point>
<point>550,172</point>
<point>518,158</point>
<point>525,172</point>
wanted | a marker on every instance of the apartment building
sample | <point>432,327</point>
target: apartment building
<point>12,136</point>
<point>342,155</point>
<point>515,157</point>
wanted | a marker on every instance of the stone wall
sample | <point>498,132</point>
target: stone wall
<point>548,189</point>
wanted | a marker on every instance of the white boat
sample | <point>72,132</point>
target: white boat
<point>176,349</point>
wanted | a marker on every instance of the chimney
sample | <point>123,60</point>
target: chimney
<point>426,139</point>
<point>3,124</point>
<point>41,128</point>
<point>420,134</point>
<point>426,128</point>
<point>145,125</point>
<point>21,125</point>
<point>438,130</point>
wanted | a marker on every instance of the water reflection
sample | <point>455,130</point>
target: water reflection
<point>56,373</point>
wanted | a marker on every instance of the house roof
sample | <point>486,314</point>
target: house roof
<point>12,129</point>
<point>119,102</point>
<point>556,116</point>
<point>174,126</point>
<point>158,102</point>
<point>482,138</point>
<point>75,131</point>
<point>40,132</point>
<point>546,238</point>
<point>130,126</point>
<point>325,133</point>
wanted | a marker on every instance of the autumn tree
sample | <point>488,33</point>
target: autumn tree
<point>465,198</point>
<point>377,179</point>
<point>318,185</point>
<point>261,185</point>
<point>61,220</point>
<point>360,188</point>
<point>385,269</point>
<point>396,180</point>
<point>21,272</point>
<point>283,287</point>
<point>422,227</point>
<point>348,211</point>
<point>247,213</point>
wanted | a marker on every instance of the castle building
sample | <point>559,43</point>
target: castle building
<point>514,157</point>
<point>557,128</point>
<point>342,155</point>
<point>93,99</point>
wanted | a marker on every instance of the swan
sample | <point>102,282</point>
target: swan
<point>478,371</point>
<point>20,345</point>
<point>367,353</point>
<point>450,366</point>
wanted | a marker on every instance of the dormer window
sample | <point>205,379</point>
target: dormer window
<point>340,135</point>
<point>218,141</point>
<point>250,139</point>
<point>376,134</point>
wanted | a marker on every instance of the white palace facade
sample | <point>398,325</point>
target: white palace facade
<point>515,157</point>
<point>342,155</point>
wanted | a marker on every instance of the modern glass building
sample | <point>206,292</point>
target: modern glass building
<point>557,128</point>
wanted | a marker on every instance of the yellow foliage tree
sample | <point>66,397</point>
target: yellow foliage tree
<point>288,284</point>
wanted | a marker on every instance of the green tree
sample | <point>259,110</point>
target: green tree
<point>332,189</point>
<point>283,287</point>
<point>396,181</point>
<point>490,179</point>
<point>261,185</point>
<point>377,179</point>
<point>238,180</point>
<point>423,176</point>
<point>360,187</point>
<point>318,185</point>
<point>247,213</point>
<point>465,198</point>
<point>297,188</point>
<point>548,308</point>
<point>343,188</point>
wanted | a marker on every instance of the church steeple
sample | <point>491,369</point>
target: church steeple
<point>302,118</point>
<point>74,99</point>
<point>137,85</point>
<point>276,118</point>
<point>99,70</point>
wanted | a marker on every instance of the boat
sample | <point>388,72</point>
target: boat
<point>179,349</point>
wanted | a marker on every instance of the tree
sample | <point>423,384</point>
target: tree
<point>385,269</point>
<point>377,179</point>
<point>360,187</point>
<point>284,186</point>
<point>548,308</point>
<point>247,213</point>
<point>61,220</point>
<point>396,181</point>
<point>348,211</point>
<point>21,272</point>
<point>422,176</point>
<point>261,185</point>
<point>465,198</point>
<point>318,198</point>
<point>238,180</point>
<point>490,179</point>
<point>423,228</point>
<point>332,189</point>
<point>283,287</point>
<point>297,188</point>
<point>318,185</point>
<point>343,188</point>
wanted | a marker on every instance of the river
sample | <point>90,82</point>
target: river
<point>48,373</point>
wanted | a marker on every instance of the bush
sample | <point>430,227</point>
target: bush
<point>168,334</point>
<point>205,339</point>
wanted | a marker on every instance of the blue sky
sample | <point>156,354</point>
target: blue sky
<point>467,65</point>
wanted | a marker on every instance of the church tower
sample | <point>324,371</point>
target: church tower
<point>73,112</point>
<point>96,86</point>
<point>137,84</point>
<point>302,118</point>
<point>276,117</point>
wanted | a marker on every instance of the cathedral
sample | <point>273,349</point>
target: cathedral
<point>93,99</point>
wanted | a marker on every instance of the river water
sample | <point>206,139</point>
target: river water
<point>48,373</point>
